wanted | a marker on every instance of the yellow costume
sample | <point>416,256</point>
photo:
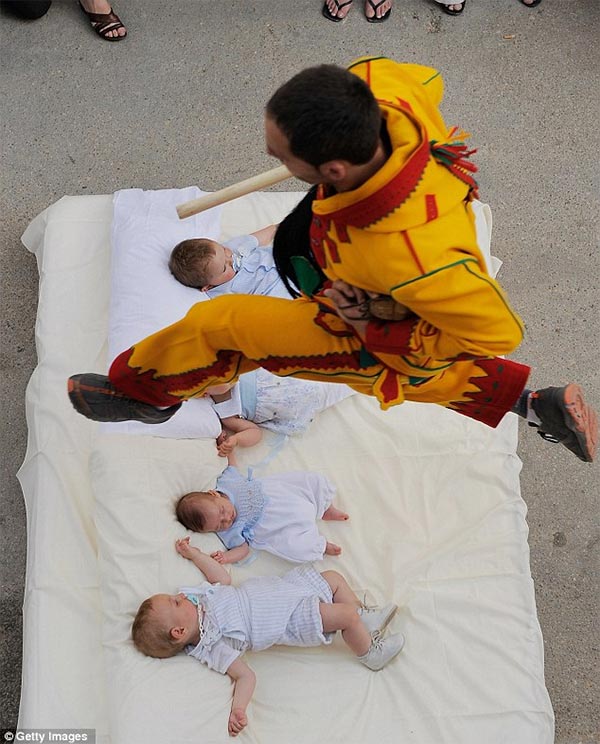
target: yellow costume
<point>407,232</point>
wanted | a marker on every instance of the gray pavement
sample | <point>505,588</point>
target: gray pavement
<point>180,103</point>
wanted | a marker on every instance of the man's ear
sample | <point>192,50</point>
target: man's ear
<point>177,633</point>
<point>334,171</point>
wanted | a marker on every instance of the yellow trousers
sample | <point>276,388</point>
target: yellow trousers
<point>221,339</point>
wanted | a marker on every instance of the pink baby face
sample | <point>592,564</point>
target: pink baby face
<point>175,611</point>
<point>220,267</point>
<point>219,513</point>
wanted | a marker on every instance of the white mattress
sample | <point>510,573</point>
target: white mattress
<point>437,524</point>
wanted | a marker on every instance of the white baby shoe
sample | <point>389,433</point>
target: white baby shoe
<point>382,650</point>
<point>377,618</point>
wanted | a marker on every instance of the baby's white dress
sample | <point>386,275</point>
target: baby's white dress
<point>278,512</point>
<point>261,612</point>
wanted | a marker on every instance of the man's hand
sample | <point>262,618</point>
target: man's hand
<point>237,721</point>
<point>351,304</point>
<point>357,306</point>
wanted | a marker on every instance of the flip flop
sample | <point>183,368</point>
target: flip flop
<point>447,10</point>
<point>374,18</point>
<point>531,5</point>
<point>104,23</point>
<point>338,6</point>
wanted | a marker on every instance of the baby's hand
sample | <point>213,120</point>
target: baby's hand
<point>237,721</point>
<point>218,556</point>
<point>184,548</point>
<point>226,444</point>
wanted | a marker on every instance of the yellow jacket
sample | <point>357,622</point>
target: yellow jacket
<point>409,232</point>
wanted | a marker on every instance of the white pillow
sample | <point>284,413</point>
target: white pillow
<point>145,297</point>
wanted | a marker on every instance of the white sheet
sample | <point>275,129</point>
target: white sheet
<point>437,523</point>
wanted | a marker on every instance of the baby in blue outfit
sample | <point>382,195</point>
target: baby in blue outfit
<point>276,513</point>
<point>242,265</point>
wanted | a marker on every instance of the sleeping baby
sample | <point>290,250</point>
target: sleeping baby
<point>243,265</point>
<point>217,623</point>
<point>276,513</point>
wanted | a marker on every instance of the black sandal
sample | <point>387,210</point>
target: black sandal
<point>447,10</point>
<point>531,5</point>
<point>374,18</point>
<point>338,6</point>
<point>104,23</point>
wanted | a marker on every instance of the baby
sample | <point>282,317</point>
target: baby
<point>261,400</point>
<point>275,513</point>
<point>216,623</point>
<point>237,267</point>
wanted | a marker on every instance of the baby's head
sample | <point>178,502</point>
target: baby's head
<point>201,263</point>
<point>205,511</point>
<point>164,624</point>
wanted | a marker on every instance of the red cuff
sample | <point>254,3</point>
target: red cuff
<point>144,387</point>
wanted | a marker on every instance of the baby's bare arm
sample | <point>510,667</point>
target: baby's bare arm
<point>231,556</point>
<point>265,235</point>
<point>214,572</point>
<point>244,680</point>
<point>243,434</point>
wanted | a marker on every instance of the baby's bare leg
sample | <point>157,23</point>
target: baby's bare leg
<point>340,589</point>
<point>340,616</point>
<point>333,513</point>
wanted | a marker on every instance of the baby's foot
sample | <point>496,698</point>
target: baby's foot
<point>333,513</point>
<point>332,548</point>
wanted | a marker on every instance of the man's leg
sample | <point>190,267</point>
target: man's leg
<point>221,339</point>
<point>487,389</point>
<point>215,343</point>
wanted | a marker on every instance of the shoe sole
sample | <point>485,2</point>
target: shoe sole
<point>77,400</point>
<point>582,420</point>
<point>75,390</point>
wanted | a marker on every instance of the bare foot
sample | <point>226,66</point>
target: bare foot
<point>332,549</point>
<point>102,6</point>
<point>335,514</point>
<point>376,8</point>
<point>455,6</point>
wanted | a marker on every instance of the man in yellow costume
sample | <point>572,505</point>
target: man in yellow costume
<point>391,227</point>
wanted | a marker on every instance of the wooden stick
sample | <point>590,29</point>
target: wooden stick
<point>268,178</point>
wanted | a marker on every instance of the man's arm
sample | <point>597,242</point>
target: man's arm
<point>244,681</point>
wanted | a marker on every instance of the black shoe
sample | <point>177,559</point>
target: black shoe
<point>568,419</point>
<point>95,397</point>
